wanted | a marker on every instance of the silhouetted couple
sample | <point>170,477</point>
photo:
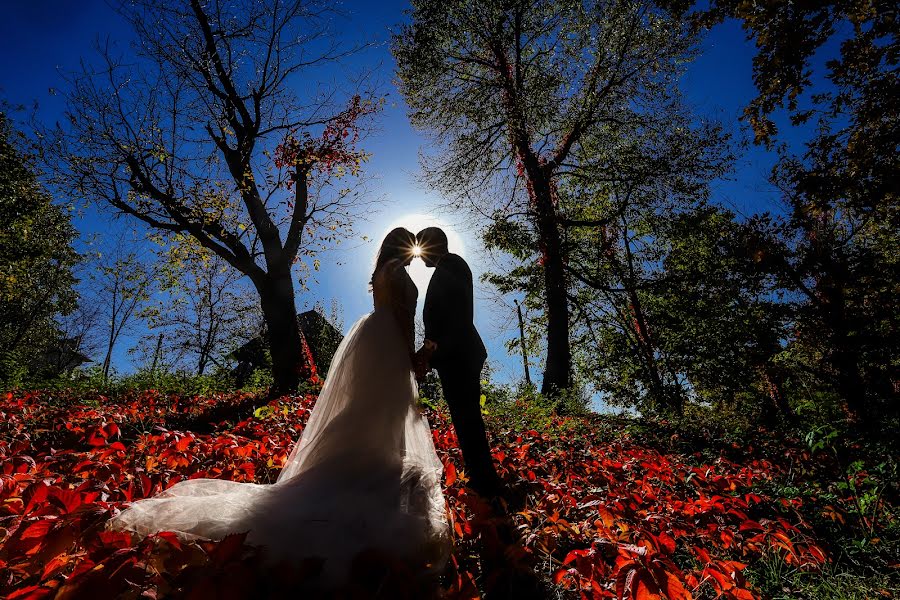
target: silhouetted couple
<point>364,473</point>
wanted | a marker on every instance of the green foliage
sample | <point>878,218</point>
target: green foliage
<point>259,379</point>
<point>13,369</point>
<point>837,252</point>
<point>779,581</point>
<point>522,407</point>
<point>679,311</point>
<point>92,379</point>
<point>431,394</point>
<point>36,260</point>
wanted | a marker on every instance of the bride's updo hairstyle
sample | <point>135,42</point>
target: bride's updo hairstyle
<point>399,243</point>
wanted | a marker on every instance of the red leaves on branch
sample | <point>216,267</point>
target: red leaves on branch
<point>308,371</point>
<point>334,148</point>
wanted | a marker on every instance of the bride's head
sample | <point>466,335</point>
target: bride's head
<point>398,244</point>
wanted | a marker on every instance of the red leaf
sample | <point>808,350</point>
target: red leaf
<point>37,529</point>
<point>562,574</point>
<point>666,543</point>
<point>624,577</point>
<point>116,539</point>
<point>450,471</point>
<point>643,587</point>
<point>171,538</point>
<point>146,486</point>
<point>673,588</point>
<point>229,548</point>
<point>702,554</point>
<point>67,500</point>
<point>750,526</point>
<point>55,565</point>
<point>112,430</point>
<point>34,494</point>
<point>34,592</point>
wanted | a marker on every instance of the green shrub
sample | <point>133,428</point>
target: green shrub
<point>91,379</point>
<point>258,380</point>
<point>522,407</point>
<point>12,370</point>
<point>430,392</point>
<point>780,581</point>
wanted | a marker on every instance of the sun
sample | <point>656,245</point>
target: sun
<point>419,273</point>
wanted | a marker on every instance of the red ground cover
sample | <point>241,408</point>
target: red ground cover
<point>604,516</point>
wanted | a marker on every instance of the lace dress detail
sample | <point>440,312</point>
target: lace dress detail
<point>363,475</point>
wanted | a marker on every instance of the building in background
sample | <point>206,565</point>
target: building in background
<point>320,337</point>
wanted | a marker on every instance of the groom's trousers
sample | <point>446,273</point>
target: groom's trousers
<point>462,391</point>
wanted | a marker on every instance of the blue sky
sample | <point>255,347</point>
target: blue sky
<point>41,38</point>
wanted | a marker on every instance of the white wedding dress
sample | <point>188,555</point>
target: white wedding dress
<point>363,475</point>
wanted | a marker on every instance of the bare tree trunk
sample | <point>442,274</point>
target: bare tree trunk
<point>522,343</point>
<point>108,359</point>
<point>558,367</point>
<point>557,373</point>
<point>285,345</point>
<point>156,354</point>
<point>112,334</point>
<point>201,363</point>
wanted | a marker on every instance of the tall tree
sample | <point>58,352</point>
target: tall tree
<point>620,209</point>
<point>202,133</point>
<point>722,317</point>
<point>511,88</point>
<point>36,260</point>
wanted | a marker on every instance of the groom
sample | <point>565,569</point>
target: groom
<point>453,347</point>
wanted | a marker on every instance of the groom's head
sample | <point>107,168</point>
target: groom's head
<point>432,242</point>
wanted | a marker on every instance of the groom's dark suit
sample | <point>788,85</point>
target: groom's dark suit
<point>459,358</point>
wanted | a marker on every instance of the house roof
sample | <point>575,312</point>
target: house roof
<point>310,322</point>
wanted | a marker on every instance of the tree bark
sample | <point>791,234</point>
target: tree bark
<point>843,356</point>
<point>539,176</point>
<point>276,294</point>
<point>774,382</point>
<point>522,343</point>
<point>557,371</point>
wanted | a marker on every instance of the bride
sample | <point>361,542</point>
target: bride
<point>364,474</point>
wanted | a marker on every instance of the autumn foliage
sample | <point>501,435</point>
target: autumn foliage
<point>604,516</point>
<point>334,150</point>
